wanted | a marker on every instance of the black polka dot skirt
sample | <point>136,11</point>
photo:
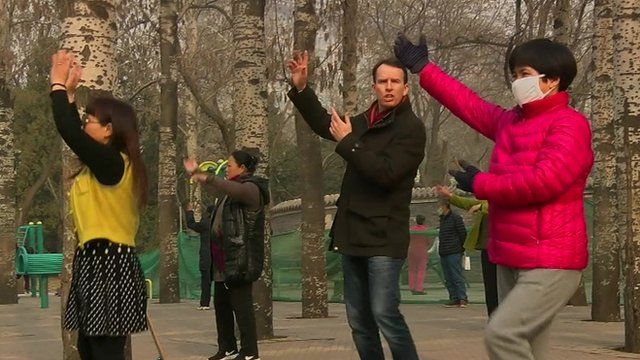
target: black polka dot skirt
<point>108,292</point>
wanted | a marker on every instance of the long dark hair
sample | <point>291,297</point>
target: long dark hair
<point>124,138</point>
<point>244,158</point>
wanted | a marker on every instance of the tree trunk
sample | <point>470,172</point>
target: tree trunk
<point>435,164</point>
<point>8,289</point>
<point>545,8</point>
<point>70,166</point>
<point>349,55</point>
<point>562,21</point>
<point>250,115</point>
<point>626,32</point>
<point>562,34</point>
<point>314,277</point>
<point>192,115</point>
<point>579,298</point>
<point>167,176</point>
<point>88,30</point>
<point>606,250</point>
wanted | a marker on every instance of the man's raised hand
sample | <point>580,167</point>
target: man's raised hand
<point>299,69</point>
<point>339,128</point>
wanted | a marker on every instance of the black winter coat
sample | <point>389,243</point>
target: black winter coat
<point>382,161</point>
<point>242,237</point>
<point>452,234</point>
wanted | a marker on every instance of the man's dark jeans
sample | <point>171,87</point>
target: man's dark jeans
<point>453,276</point>
<point>372,298</point>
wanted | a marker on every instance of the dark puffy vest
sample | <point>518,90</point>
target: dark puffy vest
<point>242,239</point>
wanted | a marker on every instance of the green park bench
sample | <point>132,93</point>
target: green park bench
<point>38,265</point>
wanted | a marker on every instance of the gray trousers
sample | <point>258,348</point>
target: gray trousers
<point>528,302</point>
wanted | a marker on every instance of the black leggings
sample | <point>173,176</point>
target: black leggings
<point>238,301</point>
<point>101,347</point>
<point>205,287</point>
<point>489,278</point>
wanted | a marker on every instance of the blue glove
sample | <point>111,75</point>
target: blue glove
<point>465,178</point>
<point>413,57</point>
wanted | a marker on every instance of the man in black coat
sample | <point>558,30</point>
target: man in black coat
<point>203,228</point>
<point>451,237</point>
<point>382,147</point>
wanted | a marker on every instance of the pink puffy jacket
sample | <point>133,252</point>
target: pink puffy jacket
<point>537,174</point>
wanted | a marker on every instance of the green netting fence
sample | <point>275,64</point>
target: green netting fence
<point>286,263</point>
<point>189,273</point>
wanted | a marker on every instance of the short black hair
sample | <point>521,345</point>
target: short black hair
<point>547,57</point>
<point>244,158</point>
<point>390,62</point>
<point>445,202</point>
<point>420,219</point>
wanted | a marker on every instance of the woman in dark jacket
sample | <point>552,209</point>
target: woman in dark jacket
<point>237,244</point>
<point>202,228</point>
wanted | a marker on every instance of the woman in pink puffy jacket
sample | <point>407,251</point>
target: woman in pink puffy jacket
<point>537,174</point>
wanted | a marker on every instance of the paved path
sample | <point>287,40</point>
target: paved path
<point>28,332</point>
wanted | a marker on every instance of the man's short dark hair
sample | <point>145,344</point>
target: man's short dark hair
<point>445,203</point>
<point>393,62</point>
<point>420,219</point>
<point>547,57</point>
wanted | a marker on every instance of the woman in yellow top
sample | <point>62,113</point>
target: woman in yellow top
<point>107,299</point>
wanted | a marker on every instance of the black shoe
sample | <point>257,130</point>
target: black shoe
<point>417,292</point>
<point>225,355</point>
<point>456,304</point>
<point>452,304</point>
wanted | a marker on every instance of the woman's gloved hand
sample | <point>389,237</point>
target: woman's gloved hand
<point>413,57</point>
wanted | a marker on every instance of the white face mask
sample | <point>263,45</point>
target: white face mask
<point>527,89</point>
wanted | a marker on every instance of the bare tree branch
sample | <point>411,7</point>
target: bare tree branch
<point>211,111</point>
<point>141,89</point>
<point>208,5</point>
<point>27,200</point>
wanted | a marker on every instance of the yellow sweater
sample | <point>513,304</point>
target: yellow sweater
<point>105,211</point>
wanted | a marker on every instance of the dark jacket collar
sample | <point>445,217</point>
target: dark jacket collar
<point>400,110</point>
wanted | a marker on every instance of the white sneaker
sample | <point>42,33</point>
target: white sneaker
<point>225,355</point>
<point>203,308</point>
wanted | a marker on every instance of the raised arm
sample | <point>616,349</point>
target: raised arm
<point>247,193</point>
<point>565,157</point>
<point>312,111</point>
<point>464,203</point>
<point>104,161</point>
<point>481,115</point>
<point>305,99</point>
